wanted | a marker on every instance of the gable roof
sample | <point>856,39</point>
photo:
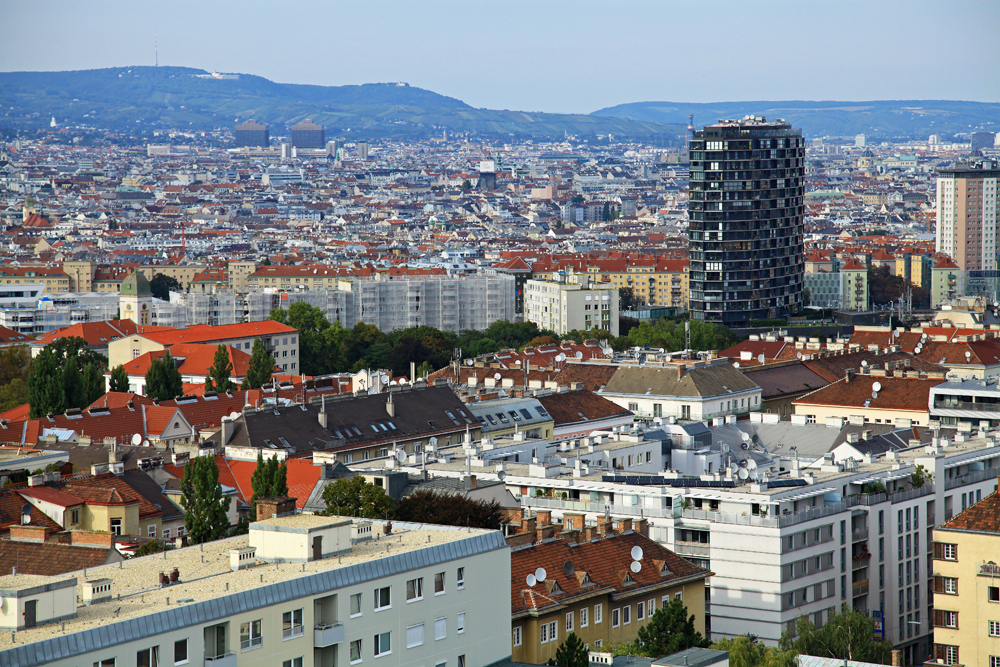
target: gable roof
<point>49,558</point>
<point>593,376</point>
<point>718,379</point>
<point>574,407</point>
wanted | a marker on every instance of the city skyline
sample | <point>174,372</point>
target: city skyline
<point>557,58</point>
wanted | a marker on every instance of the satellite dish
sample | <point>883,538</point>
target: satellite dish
<point>568,568</point>
<point>579,355</point>
<point>874,394</point>
<point>760,358</point>
<point>744,445</point>
<point>145,443</point>
<point>742,474</point>
<point>560,357</point>
<point>967,354</point>
<point>400,455</point>
<point>501,475</point>
<point>876,386</point>
<point>497,376</point>
<point>26,509</point>
<point>540,574</point>
<point>864,363</point>
<point>530,580</point>
<point>393,383</point>
<point>895,334</point>
<point>432,440</point>
<point>637,552</point>
<point>635,566</point>
<point>798,355</point>
<point>137,438</point>
<point>469,362</point>
<point>234,415</point>
<point>751,464</point>
<point>736,364</point>
<point>745,436</point>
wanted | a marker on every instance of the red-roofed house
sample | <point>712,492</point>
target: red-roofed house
<point>192,361</point>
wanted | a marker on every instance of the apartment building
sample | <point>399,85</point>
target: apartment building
<point>54,278</point>
<point>298,591</point>
<point>90,276</point>
<point>564,306</point>
<point>967,586</point>
<point>967,209</point>
<point>854,290</point>
<point>658,282</point>
<point>947,282</point>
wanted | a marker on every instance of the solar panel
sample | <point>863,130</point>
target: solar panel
<point>779,483</point>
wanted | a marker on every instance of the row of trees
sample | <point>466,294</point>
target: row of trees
<point>15,364</point>
<point>65,374</point>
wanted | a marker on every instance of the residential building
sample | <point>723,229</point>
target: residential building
<point>308,134</point>
<point>252,135</point>
<point>564,306</point>
<point>297,591</point>
<point>947,282</point>
<point>746,221</point>
<point>691,391</point>
<point>966,588</point>
<point>967,208</point>
<point>590,585</point>
<point>877,396</point>
<point>855,285</point>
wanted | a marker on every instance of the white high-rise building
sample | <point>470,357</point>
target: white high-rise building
<point>967,211</point>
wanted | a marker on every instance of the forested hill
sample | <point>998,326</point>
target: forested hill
<point>181,97</point>
<point>899,119</point>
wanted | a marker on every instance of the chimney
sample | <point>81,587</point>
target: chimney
<point>269,508</point>
<point>544,517</point>
<point>641,526</point>
<point>604,527</point>
<point>86,538</point>
<point>681,369</point>
<point>848,374</point>
<point>27,533</point>
<point>390,407</point>
<point>571,536</point>
<point>322,411</point>
<point>572,521</point>
<point>624,525</point>
<point>227,430</point>
<point>528,525</point>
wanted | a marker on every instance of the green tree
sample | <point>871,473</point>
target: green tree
<point>205,508</point>
<point>269,480</point>
<point>449,509</point>
<point>606,213</point>
<point>222,368</point>
<point>162,285</point>
<point>310,323</point>
<point>571,653</point>
<point>626,299</point>
<point>119,379</point>
<point>848,635</point>
<point>93,384</point>
<point>353,496</point>
<point>45,385</point>
<point>670,630</point>
<point>13,393</point>
<point>260,368</point>
<point>163,380</point>
<point>147,548</point>
<point>74,346</point>
<point>748,651</point>
<point>466,185</point>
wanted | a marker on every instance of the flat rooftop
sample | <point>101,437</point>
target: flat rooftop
<point>205,575</point>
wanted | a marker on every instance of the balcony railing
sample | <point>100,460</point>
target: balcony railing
<point>967,405</point>
<point>223,660</point>
<point>990,569</point>
<point>691,549</point>
<point>971,477</point>
<point>859,535</point>
<point>293,631</point>
<point>860,587</point>
<point>328,634</point>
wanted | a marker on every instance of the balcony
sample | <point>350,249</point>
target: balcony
<point>971,477</point>
<point>859,535</point>
<point>990,569</point>
<point>328,634</point>
<point>691,549</point>
<point>224,660</point>
<point>860,587</point>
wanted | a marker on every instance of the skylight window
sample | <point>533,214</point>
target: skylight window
<point>514,415</point>
<point>357,431</point>
<point>524,411</point>
<point>492,421</point>
<point>375,428</point>
<point>503,418</point>
<point>542,411</point>
<point>392,426</point>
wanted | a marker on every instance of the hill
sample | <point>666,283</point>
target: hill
<point>181,97</point>
<point>900,119</point>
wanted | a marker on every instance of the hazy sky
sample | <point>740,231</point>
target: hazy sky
<point>542,55</point>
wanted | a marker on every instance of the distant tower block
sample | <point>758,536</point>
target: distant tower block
<point>488,175</point>
<point>252,134</point>
<point>308,134</point>
<point>363,151</point>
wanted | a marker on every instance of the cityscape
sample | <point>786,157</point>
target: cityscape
<point>602,381</point>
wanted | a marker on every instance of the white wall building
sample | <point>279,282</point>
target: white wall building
<point>578,303</point>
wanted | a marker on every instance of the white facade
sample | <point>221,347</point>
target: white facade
<point>568,306</point>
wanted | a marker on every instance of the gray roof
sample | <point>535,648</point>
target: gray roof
<point>785,380</point>
<point>719,379</point>
<point>695,657</point>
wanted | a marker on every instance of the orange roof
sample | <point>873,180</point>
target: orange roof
<point>202,333</point>
<point>302,477</point>
<point>195,360</point>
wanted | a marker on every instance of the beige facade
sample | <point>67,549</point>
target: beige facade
<point>239,273</point>
<point>650,286</point>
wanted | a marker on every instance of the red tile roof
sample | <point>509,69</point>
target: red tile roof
<point>982,517</point>
<point>202,333</point>
<point>302,477</point>
<point>895,394</point>
<point>48,558</point>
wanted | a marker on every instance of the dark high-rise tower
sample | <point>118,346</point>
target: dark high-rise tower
<point>252,134</point>
<point>308,134</point>
<point>746,213</point>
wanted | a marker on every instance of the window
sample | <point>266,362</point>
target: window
<point>291,624</point>
<point>553,632</point>
<point>640,611</point>
<point>994,628</point>
<point>626,614</point>
<point>951,586</point>
<point>355,605</point>
<point>569,622</point>
<point>460,626</point>
<point>151,531</point>
<point>116,526</point>
<point>516,636</point>
<point>679,595</point>
<point>415,589</point>
<point>951,655</point>
<point>950,552</point>
<point>615,617</point>
<point>355,651</point>
<point>650,608</point>
<point>74,516</point>
<point>382,598</point>
<point>949,619</point>
<point>181,652</point>
<point>148,657</point>
<point>382,646</point>
<point>995,661</point>
<point>461,660</point>
<point>441,628</point>
<point>583,617</point>
<point>250,635</point>
<point>415,635</point>
<point>993,593</point>
<point>543,633</point>
<point>598,613</point>
<point>460,578</point>
<point>439,583</point>
<point>294,662</point>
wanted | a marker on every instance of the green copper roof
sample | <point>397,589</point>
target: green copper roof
<point>136,285</point>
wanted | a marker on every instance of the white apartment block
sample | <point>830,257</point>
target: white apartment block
<point>299,591</point>
<point>796,537</point>
<point>565,306</point>
<point>448,303</point>
<point>967,210</point>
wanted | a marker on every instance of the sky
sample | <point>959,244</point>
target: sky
<point>540,55</point>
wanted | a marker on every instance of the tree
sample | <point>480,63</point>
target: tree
<point>353,496</point>
<point>205,508</point>
<point>15,365</point>
<point>448,509</point>
<point>162,285</point>
<point>119,379</point>
<point>669,630</point>
<point>571,653</point>
<point>13,394</point>
<point>848,635</point>
<point>163,380</point>
<point>260,368</point>
<point>147,548</point>
<point>74,346</point>
<point>606,213</point>
<point>747,651</point>
<point>269,480</point>
<point>93,384</point>
<point>311,323</point>
<point>45,385</point>
<point>466,185</point>
<point>626,299</point>
<point>222,367</point>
